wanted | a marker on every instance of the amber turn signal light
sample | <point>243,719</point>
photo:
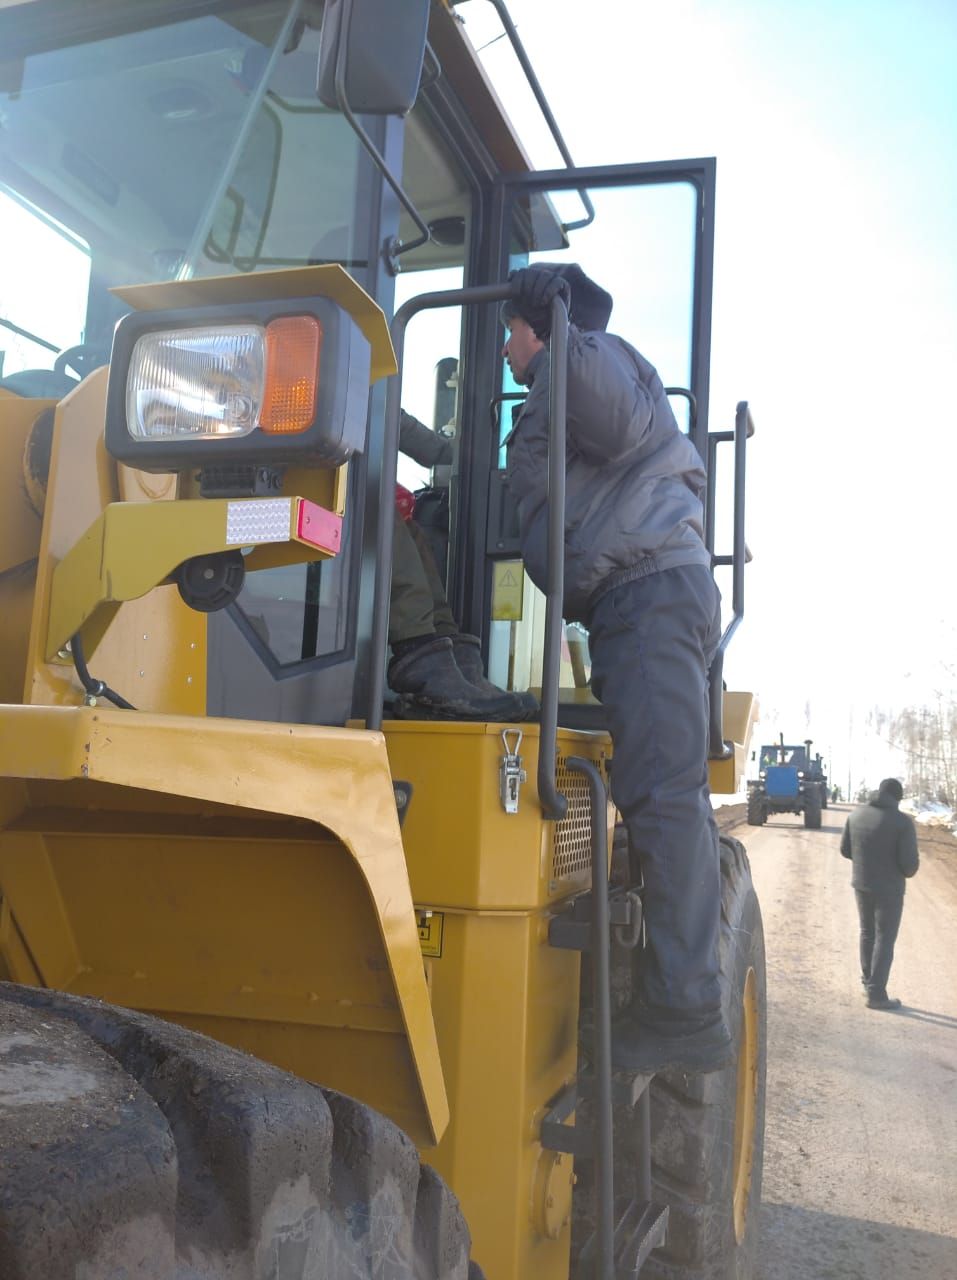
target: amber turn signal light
<point>293,346</point>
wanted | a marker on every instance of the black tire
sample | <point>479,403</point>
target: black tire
<point>140,1148</point>
<point>694,1119</point>
<point>697,1121</point>
<point>757,815</point>
<point>824,799</point>
<point>812,811</point>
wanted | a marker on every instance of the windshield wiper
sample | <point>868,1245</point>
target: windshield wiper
<point>205,223</point>
<point>25,333</point>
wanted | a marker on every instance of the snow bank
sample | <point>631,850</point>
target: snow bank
<point>930,813</point>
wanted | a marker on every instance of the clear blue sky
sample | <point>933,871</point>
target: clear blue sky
<point>834,125</point>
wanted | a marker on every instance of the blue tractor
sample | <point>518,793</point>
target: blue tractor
<point>788,781</point>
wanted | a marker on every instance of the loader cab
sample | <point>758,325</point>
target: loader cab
<point>214,846</point>
<point>180,143</point>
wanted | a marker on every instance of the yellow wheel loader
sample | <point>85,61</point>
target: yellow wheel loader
<point>291,987</point>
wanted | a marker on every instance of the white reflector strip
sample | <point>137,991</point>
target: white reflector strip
<point>259,520</point>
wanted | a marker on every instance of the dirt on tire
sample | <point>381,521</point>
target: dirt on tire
<point>132,1146</point>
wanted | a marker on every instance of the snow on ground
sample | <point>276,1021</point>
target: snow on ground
<point>930,813</point>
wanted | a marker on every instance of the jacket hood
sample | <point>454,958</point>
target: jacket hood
<point>881,800</point>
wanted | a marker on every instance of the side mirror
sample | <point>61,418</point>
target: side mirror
<point>384,49</point>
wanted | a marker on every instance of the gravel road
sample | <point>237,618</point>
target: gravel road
<point>860,1178</point>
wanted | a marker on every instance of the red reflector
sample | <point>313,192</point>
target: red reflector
<point>319,527</point>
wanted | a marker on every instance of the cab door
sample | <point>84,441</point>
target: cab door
<point>645,232</point>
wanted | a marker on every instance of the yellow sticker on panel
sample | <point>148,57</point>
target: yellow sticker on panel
<point>431,925</point>
<point>508,587</point>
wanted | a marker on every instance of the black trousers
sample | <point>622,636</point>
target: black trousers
<point>652,642</point>
<point>880,921</point>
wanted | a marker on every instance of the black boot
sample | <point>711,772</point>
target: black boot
<point>468,658</point>
<point>645,1048</point>
<point>885,1002</point>
<point>433,687</point>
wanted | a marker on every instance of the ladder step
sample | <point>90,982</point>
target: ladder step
<point>573,1139</point>
<point>643,1227</point>
<point>626,1087</point>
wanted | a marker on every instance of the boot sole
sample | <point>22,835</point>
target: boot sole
<point>411,707</point>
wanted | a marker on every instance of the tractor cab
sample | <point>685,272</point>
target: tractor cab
<point>789,781</point>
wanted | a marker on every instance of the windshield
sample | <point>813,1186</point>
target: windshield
<point>784,755</point>
<point>184,147</point>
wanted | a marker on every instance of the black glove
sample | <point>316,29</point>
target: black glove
<point>536,287</point>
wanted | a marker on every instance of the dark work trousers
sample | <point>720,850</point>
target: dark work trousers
<point>652,642</point>
<point>880,919</point>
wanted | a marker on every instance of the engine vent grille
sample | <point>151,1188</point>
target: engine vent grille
<point>571,842</point>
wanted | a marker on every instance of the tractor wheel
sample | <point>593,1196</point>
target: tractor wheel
<point>757,816</point>
<point>812,811</point>
<point>708,1130</point>
<point>824,801</point>
<point>135,1147</point>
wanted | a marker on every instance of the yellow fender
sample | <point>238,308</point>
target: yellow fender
<point>244,879</point>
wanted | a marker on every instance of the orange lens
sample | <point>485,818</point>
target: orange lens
<point>293,344</point>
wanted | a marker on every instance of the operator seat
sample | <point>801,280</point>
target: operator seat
<point>39,384</point>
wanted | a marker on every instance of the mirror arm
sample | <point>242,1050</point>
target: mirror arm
<point>392,247</point>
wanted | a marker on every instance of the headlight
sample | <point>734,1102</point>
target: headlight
<point>196,383</point>
<point>286,382</point>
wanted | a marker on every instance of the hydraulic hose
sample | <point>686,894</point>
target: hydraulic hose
<point>94,688</point>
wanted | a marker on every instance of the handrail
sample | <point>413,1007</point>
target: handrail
<point>519,50</point>
<point>554,804</point>
<point>692,405</point>
<point>743,429</point>
<point>600,950</point>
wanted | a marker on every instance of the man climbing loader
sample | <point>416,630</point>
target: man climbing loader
<point>208,821</point>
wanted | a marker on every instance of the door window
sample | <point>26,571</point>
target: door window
<point>641,247</point>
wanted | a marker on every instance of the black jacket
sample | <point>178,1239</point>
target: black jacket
<point>881,843</point>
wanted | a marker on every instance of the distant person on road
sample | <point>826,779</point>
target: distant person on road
<point>881,843</point>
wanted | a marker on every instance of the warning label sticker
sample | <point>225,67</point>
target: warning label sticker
<point>431,925</point>
<point>508,587</point>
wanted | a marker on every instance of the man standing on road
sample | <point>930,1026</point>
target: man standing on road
<point>638,574</point>
<point>881,843</point>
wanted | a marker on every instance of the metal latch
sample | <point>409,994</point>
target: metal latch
<point>511,774</point>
